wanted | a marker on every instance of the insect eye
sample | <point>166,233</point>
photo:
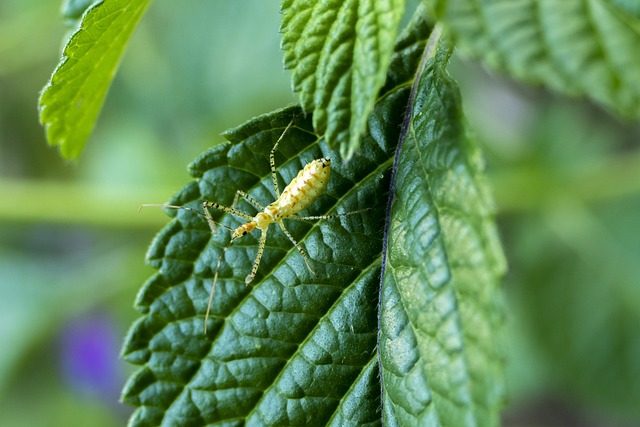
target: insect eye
<point>244,233</point>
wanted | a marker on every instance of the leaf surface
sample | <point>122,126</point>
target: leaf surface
<point>579,47</point>
<point>440,303</point>
<point>291,348</point>
<point>71,101</point>
<point>339,52</point>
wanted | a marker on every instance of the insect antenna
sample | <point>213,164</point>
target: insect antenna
<point>206,215</point>
<point>332,216</point>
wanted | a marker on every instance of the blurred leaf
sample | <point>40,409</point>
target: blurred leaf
<point>72,10</point>
<point>574,276</point>
<point>339,53</point>
<point>71,101</point>
<point>572,237</point>
<point>630,6</point>
<point>579,47</point>
<point>440,310</point>
<point>579,295</point>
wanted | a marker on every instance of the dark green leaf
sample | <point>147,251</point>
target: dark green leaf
<point>339,52</point>
<point>291,348</point>
<point>579,47</point>
<point>71,101</point>
<point>440,307</point>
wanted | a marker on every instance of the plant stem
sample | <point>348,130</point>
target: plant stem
<point>79,204</point>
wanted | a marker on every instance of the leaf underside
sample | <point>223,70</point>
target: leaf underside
<point>339,52</point>
<point>71,101</point>
<point>580,47</point>
<point>294,348</point>
<point>440,308</point>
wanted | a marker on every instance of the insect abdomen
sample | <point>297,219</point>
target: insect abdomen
<point>304,189</point>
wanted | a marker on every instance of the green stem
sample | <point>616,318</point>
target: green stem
<point>79,204</point>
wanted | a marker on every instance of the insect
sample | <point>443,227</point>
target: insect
<point>299,194</point>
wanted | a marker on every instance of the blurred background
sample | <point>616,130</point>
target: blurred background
<point>566,178</point>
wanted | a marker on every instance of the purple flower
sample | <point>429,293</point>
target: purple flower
<point>89,356</point>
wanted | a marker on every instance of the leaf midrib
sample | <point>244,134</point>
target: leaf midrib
<point>375,264</point>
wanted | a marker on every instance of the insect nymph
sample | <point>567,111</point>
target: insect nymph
<point>299,194</point>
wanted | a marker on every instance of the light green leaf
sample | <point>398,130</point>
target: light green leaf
<point>440,309</point>
<point>339,52</point>
<point>580,47</point>
<point>71,101</point>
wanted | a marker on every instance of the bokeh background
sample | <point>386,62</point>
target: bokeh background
<point>566,176</point>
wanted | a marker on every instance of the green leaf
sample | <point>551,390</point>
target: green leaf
<point>293,347</point>
<point>440,307</point>
<point>71,101</point>
<point>580,47</point>
<point>339,52</point>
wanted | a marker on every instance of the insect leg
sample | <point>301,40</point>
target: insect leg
<point>272,160</point>
<point>256,262</point>
<point>297,245</point>
<point>207,204</point>
<point>248,198</point>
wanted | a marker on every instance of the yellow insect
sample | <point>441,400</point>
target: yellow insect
<point>301,193</point>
